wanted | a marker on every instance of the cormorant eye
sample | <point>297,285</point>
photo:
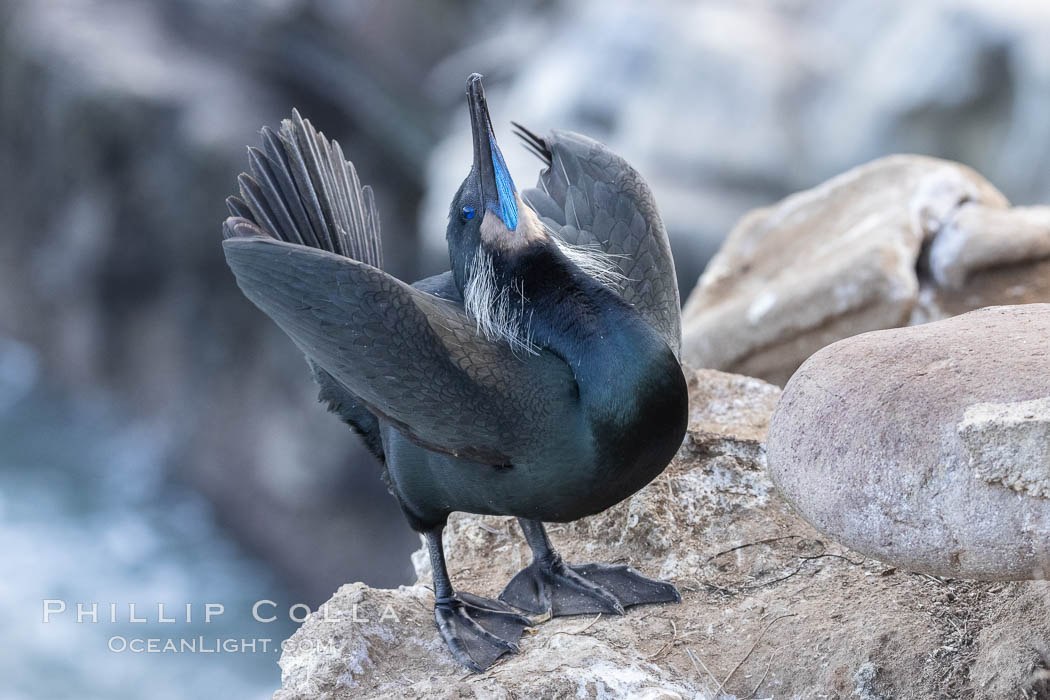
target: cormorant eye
<point>468,212</point>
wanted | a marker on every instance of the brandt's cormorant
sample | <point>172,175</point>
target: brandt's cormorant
<point>538,378</point>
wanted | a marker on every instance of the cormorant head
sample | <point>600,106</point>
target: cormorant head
<point>487,213</point>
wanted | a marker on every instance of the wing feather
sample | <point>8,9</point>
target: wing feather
<point>410,357</point>
<point>589,195</point>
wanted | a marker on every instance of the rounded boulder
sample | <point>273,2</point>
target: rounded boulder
<point>927,447</point>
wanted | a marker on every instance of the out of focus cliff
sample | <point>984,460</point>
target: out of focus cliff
<point>123,126</point>
<point>728,106</point>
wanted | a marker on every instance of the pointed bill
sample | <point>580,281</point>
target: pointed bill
<point>497,187</point>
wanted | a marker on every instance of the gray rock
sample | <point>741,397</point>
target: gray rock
<point>926,447</point>
<point>823,264</point>
<point>900,241</point>
<point>1009,444</point>
<point>985,256</point>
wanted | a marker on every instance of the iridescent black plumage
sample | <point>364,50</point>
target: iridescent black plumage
<point>461,418</point>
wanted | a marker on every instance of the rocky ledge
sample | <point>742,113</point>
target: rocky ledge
<point>770,606</point>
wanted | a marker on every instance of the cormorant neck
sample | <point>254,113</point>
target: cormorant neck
<point>612,351</point>
<point>632,394</point>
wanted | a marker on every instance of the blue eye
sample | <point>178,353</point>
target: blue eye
<point>468,212</point>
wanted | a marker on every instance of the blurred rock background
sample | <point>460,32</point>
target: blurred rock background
<point>727,106</point>
<point>123,125</point>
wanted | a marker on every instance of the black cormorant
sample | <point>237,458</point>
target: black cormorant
<point>538,378</point>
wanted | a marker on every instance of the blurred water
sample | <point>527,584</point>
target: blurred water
<point>87,516</point>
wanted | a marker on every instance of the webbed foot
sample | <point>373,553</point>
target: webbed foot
<point>478,630</point>
<point>574,589</point>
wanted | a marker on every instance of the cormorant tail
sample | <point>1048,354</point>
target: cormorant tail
<point>301,189</point>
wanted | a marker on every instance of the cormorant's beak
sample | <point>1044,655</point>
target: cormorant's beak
<point>497,188</point>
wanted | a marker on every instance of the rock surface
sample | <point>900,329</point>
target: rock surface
<point>770,608</point>
<point>1009,444</point>
<point>926,447</point>
<point>899,241</point>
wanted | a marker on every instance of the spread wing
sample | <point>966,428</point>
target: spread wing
<point>410,357</point>
<point>590,195</point>
<point>304,244</point>
<point>349,407</point>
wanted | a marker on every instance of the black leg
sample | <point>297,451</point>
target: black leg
<point>477,630</point>
<point>550,585</point>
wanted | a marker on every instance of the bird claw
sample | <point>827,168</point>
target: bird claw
<point>478,630</point>
<point>575,589</point>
